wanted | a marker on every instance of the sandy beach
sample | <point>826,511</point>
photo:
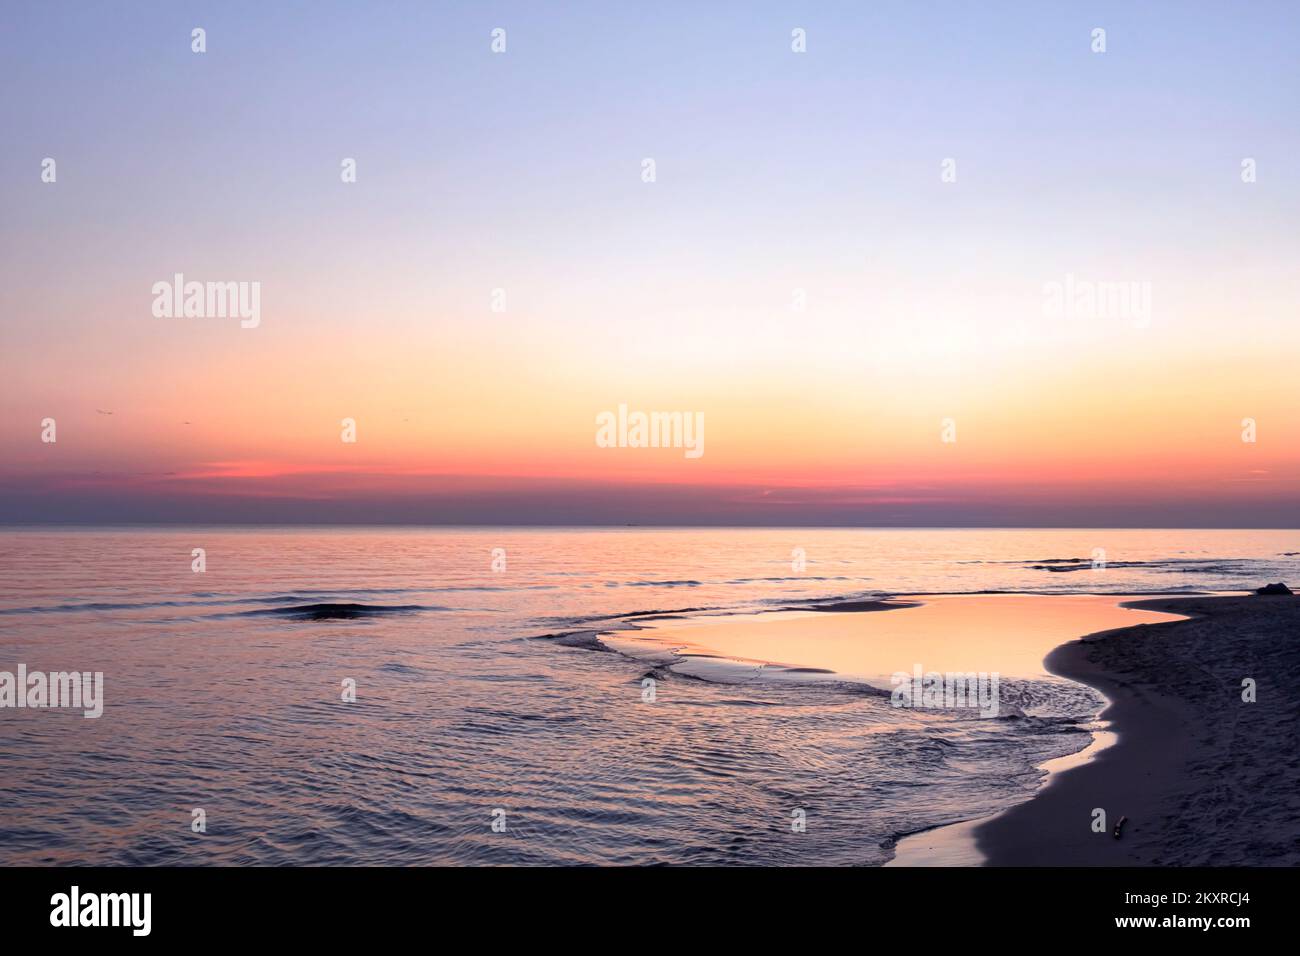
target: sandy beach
<point>1204,778</point>
<point>1199,776</point>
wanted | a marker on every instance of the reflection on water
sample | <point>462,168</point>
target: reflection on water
<point>1003,633</point>
<point>223,692</point>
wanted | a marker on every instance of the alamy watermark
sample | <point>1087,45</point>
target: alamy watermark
<point>626,429</point>
<point>948,689</point>
<point>75,908</point>
<point>208,300</point>
<point>79,690</point>
<point>1085,299</point>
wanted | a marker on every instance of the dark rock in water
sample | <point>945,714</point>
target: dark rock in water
<point>335,612</point>
<point>1278,588</point>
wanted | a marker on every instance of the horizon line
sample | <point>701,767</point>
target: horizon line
<point>72,525</point>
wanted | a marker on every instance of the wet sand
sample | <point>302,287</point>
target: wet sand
<point>1204,778</point>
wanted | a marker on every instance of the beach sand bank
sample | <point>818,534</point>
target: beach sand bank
<point>1204,778</point>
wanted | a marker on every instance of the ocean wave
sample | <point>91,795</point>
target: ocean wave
<point>290,603</point>
<point>1229,567</point>
<point>795,577</point>
<point>1173,566</point>
<point>580,620</point>
<point>331,612</point>
<point>688,583</point>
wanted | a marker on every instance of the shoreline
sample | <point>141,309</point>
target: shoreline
<point>1193,767</point>
<point>1174,749</point>
<point>956,844</point>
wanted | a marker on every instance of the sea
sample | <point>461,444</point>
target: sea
<point>441,696</point>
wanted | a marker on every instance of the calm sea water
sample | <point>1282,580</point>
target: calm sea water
<point>223,693</point>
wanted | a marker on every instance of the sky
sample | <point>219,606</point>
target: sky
<point>873,267</point>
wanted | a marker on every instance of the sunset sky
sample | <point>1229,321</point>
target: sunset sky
<point>775,172</point>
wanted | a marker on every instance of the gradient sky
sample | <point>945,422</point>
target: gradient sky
<point>776,171</point>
